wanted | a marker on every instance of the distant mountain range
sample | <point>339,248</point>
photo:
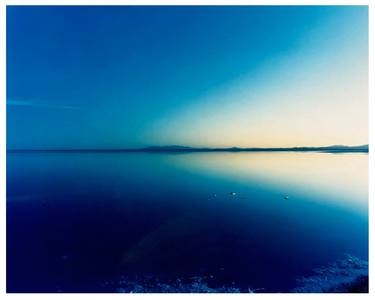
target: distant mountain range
<point>177,148</point>
<point>334,148</point>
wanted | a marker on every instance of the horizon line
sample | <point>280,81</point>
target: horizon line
<point>180,148</point>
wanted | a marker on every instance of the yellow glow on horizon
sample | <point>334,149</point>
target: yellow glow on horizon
<point>315,96</point>
<point>304,110</point>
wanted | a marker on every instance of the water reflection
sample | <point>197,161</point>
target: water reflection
<point>342,178</point>
<point>258,219</point>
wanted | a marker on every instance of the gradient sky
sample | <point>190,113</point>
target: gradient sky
<point>109,77</point>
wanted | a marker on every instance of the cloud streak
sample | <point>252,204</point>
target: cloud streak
<point>33,103</point>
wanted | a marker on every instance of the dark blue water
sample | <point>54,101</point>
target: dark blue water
<point>76,220</point>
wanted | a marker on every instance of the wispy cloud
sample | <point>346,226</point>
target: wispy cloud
<point>33,103</point>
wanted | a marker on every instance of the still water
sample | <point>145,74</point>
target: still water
<point>257,220</point>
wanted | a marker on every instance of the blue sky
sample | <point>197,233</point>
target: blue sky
<point>109,77</point>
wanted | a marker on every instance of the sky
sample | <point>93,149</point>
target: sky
<point>220,76</point>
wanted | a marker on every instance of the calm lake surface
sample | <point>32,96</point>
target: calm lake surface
<point>78,220</point>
